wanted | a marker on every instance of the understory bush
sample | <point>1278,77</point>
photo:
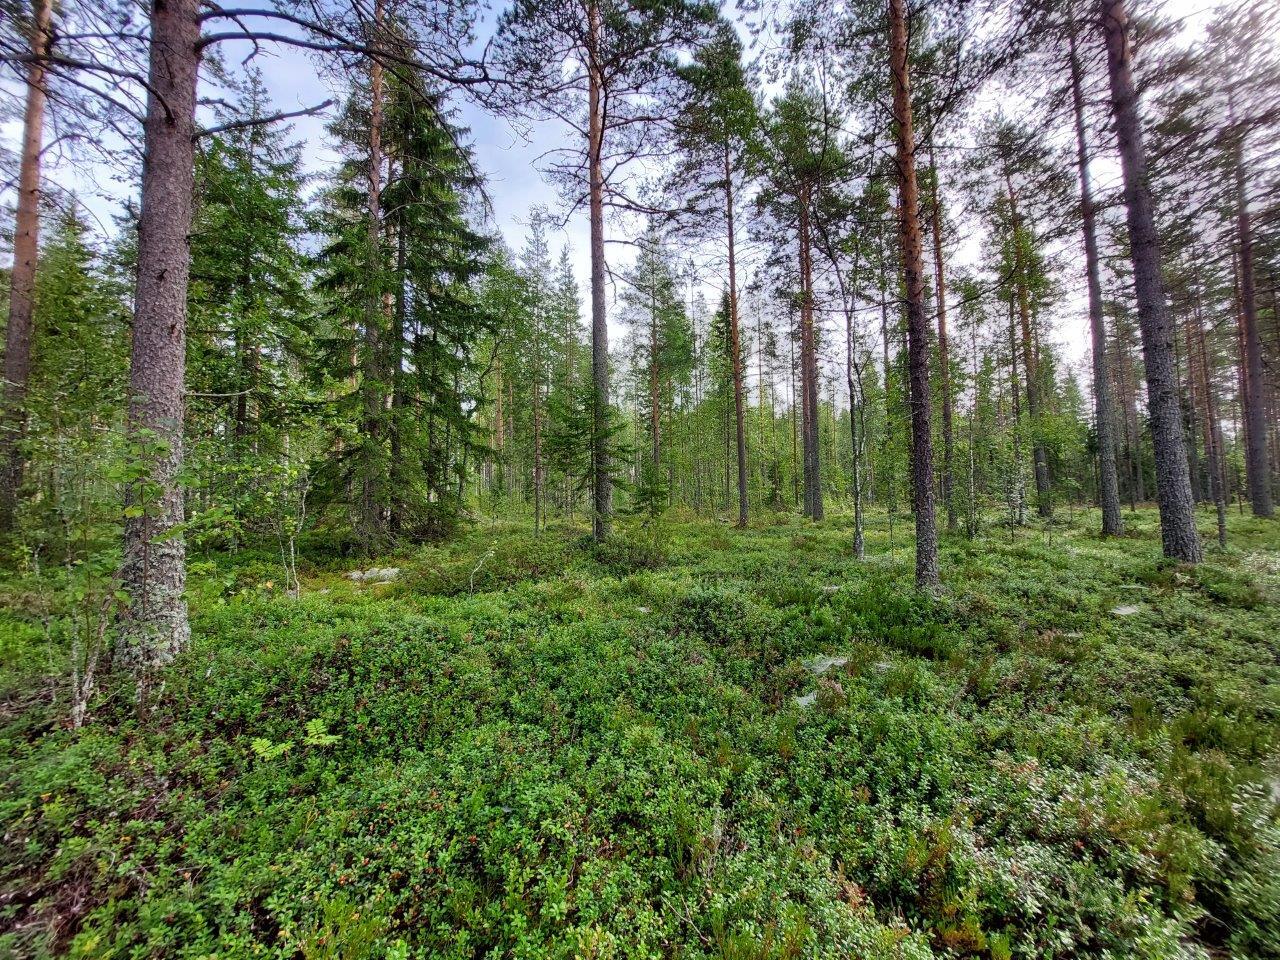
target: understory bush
<point>523,747</point>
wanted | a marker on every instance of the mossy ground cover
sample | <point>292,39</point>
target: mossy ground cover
<point>528,747</point>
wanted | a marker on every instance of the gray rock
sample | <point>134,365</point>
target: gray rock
<point>374,575</point>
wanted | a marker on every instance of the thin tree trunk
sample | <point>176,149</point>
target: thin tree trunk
<point>1257,472</point>
<point>602,487</point>
<point>855,409</point>
<point>369,509</point>
<point>944,359</point>
<point>1040,465</point>
<point>1108,486</point>
<point>927,575</point>
<point>735,344</point>
<point>1212,429</point>
<point>809,368</point>
<point>1019,488</point>
<point>1173,485</point>
<point>22,279</point>
<point>154,626</point>
<point>655,411</point>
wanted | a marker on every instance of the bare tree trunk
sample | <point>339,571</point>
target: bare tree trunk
<point>944,359</point>
<point>1019,488</point>
<point>22,279</point>
<point>853,374</point>
<point>927,575</point>
<point>809,368</point>
<point>1173,484</point>
<point>602,489</point>
<point>735,344</point>
<point>1108,485</point>
<point>154,627</point>
<point>795,470</point>
<point>1212,425</point>
<point>369,513</point>
<point>655,409</point>
<point>1257,472</point>
<point>1040,465</point>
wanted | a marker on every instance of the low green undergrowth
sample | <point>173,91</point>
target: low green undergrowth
<point>532,747</point>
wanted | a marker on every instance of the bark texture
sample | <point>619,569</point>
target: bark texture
<point>927,575</point>
<point>809,368</point>
<point>602,486</point>
<point>1173,481</point>
<point>735,342</point>
<point>944,355</point>
<point>154,627</point>
<point>18,334</point>
<point>1257,471</point>
<point>1108,484</point>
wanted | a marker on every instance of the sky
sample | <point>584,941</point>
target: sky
<point>508,154</point>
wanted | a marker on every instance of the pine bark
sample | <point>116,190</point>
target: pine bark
<point>1257,472</point>
<point>154,626</point>
<point>927,575</point>
<point>1212,429</point>
<point>602,486</point>
<point>809,368</point>
<point>735,344</point>
<point>18,334</point>
<point>1108,484</point>
<point>1173,483</point>
<point>369,518</point>
<point>944,357</point>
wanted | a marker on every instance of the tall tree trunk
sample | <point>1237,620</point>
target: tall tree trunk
<point>1019,489</point>
<point>655,408</point>
<point>1173,485</point>
<point>22,279</point>
<point>735,344</point>
<point>853,374</point>
<point>1257,472</point>
<point>602,487</point>
<point>1212,430</point>
<point>944,358</point>
<point>154,627</point>
<point>795,469</point>
<point>927,575</point>
<point>1108,485</point>
<point>538,468</point>
<point>809,367</point>
<point>1040,463</point>
<point>369,509</point>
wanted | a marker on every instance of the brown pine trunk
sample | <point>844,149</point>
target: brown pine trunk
<point>602,488</point>
<point>369,512</point>
<point>927,575</point>
<point>1173,484</point>
<point>154,627</point>
<point>17,347</point>
<point>1019,490</point>
<point>1108,485</point>
<point>1257,472</point>
<point>944,359</point>
<point>1212,431</point>
<point>853,376</point>
<point>809,368</point>
<point>735,344</point>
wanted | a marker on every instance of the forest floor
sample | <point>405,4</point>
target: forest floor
<point>742,745</point>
